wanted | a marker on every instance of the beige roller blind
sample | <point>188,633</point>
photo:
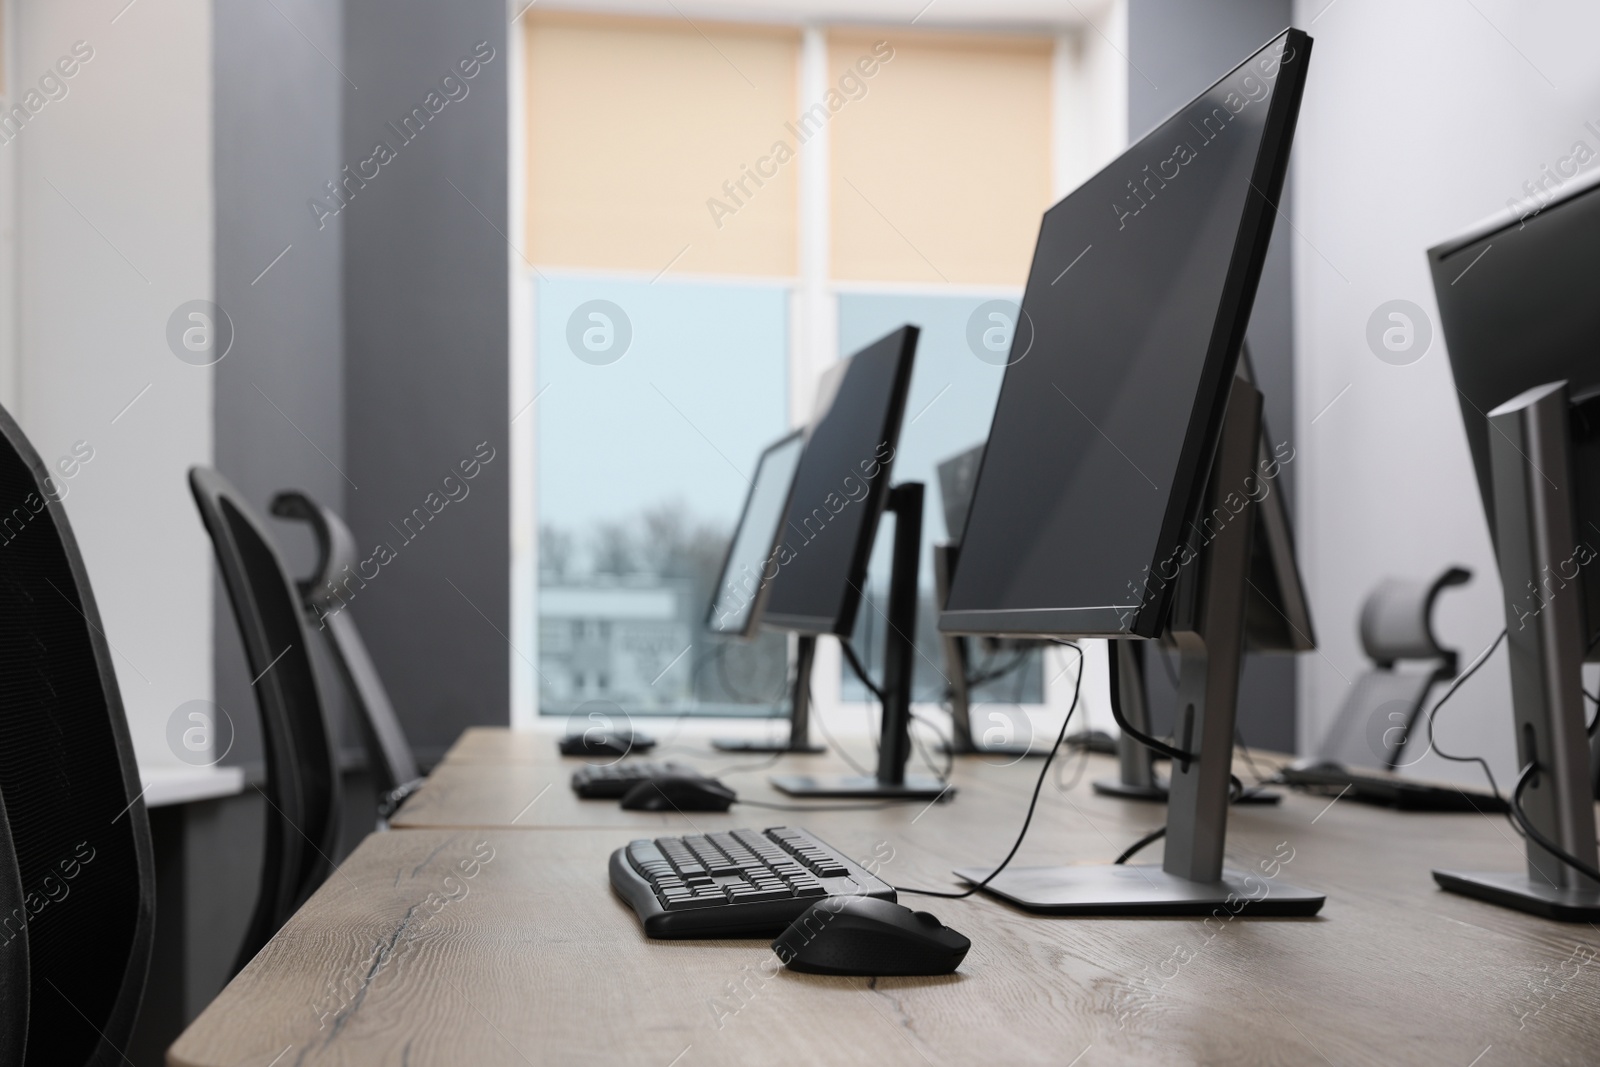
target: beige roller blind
<point>650,143</point>
<point>941,171</point>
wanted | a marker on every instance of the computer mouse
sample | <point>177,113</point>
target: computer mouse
<point>1319,764</point>
<point>860,935</point>
<point>599,743</point>
<point>679,793</point>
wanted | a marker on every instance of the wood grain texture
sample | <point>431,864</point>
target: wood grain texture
<point>403,957</point>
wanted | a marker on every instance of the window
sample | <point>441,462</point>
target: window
<point>655,400</point>
<point>712,214</point>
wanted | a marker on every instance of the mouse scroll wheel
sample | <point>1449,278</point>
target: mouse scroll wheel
<point>926,918</point>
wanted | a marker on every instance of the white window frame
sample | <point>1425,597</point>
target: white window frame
<point>1088,129</point>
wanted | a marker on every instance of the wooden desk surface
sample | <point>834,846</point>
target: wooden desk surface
<point>534,961</point>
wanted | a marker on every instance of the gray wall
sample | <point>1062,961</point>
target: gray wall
<point>372,354</point>
<point>278,423</point>
<point>1181,47</point>
<point>280,390</point>
<point>426,321</point>
<point>1388,488</point>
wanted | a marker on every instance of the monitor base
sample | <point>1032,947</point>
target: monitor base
<point>1516,890</point>
<point>601,747</point>
<point>737,744</point>
<point>1110,889</point>
<point>1017,751</point>
<point>915,787</point>
<point>1115,787</point>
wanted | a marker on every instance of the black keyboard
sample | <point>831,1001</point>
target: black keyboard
<point>739,883</point>
<point>1332,779</point>
<point>613,780</point>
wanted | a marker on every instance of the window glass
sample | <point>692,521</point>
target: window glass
<point>655,401</point>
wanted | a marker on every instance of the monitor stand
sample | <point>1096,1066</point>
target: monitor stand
<point>894,744</point>
<point>1207,623</point>
<point>799,742</point>
<point>1537,546</point>
<point>1138,779</point>
<point>957,662</point>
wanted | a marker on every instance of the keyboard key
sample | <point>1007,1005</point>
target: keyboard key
<point>752,895</point>
<point>642,852</point>
<point>691,902</point>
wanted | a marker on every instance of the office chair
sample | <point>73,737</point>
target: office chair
<point>302,793</point>
<point>13,951</point>
<point>394,767</point>
<point>1396,626</point>
<point>75,949</point>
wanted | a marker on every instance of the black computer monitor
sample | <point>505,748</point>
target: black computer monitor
<point>740,594</point>
<point>840,489</point>
<point>1517,307</point>
<point>957,476</point>
<point>1277,614</point>
<point>963,671</point>
<point>1277,611</point>
<point>1123,447</point>
<point>751,562</point>
<point>1138,298</point>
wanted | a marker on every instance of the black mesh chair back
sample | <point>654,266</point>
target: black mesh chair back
<point>1377,718</point>
<point>13,952</point>
<point>77,828</point>
<point>325,595</point>
<point>302,788</point>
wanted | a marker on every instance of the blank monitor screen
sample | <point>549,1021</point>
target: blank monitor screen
<point>840,490</point>
<point>956,478</point>
<point>749,567</point>
<point>1111,407</point>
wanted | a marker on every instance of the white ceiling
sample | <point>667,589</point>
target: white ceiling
<point>996,14</point>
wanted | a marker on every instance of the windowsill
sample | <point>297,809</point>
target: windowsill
<point>167,786</point>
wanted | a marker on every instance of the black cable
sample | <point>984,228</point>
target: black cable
<point>1032,803</point>
<point>860,671</point>
<point>1150,838</point>
<point>734,691</point>
<point>791,679</point>
<point>822,724</point>
<point>1153,744</point>
<point>1483,658</point>
<point>1077,775</point>
<point>922,750</point>
<point>866,680</point>
<point>949,749</point>
<point>1166,665</point>
<point>746,768</point>
<point>986,676</point>
<point>1525,779</point>
<point>1235,793</point>
<point>1255,772</point>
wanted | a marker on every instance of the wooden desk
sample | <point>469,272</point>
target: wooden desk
<point>537,962</point>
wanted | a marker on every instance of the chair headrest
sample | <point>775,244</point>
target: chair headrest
<point>336,547</point>
<point>1397,618</point>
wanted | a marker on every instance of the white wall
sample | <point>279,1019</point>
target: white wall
<point>114,231</point>
<point>1419,119</point>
